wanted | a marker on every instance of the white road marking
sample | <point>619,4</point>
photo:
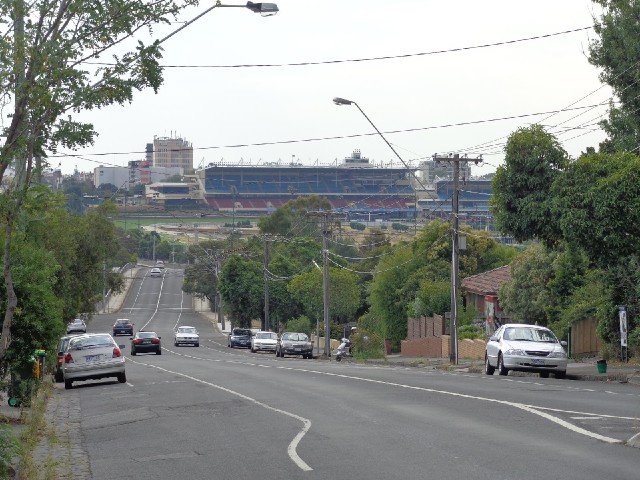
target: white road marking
<point>536,410</point>
<point>291,449</point>
<point>587,418</point>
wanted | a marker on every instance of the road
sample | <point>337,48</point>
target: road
<point>215,412</point>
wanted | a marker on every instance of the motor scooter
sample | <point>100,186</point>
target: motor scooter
<point>344,350</point>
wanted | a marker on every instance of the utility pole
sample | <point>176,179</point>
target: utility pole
<point>266,284</point>
<point>455,160</point>
<point>219,296</point>
<point>325,286</point>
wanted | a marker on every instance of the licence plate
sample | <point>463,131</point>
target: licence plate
<point>297,349</point>
<point>92,358</point>
<point>537,361</point>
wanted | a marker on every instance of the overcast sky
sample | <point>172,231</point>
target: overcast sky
<point>258,114</point>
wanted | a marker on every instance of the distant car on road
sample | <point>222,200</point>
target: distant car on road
<point>186,335</point>
<point>239,337</point>
<point>92,356</point>
<point>143,342</point>
<point>264,341</point>
<point>123,326</point>
<point>525,348</point>
<point>160,264</point>
<point>77,326</point>
<point>155,272</point>
<point>292,343</point>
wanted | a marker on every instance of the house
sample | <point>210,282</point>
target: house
<point>481,292</point>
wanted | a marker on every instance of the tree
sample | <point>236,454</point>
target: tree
<point>522,202</point>
<point>526,296</point>
<point>291,219</point>
<point>615,52</point>
<point>241,287</point>
<point>44,67</point>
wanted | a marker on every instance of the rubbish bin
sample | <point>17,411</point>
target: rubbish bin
<point>602,366</point>
<point>22,378</point>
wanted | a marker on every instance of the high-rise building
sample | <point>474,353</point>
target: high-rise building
<point>173,152</point>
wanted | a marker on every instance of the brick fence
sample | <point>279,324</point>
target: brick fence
<point>426,337</point>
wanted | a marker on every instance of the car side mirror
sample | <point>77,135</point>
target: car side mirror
<point>493,338</point>
<point>160,337</point>
<point>563,343</point>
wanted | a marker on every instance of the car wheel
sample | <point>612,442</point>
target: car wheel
<point>159,351</point>
<point>58,377</point>
<point>122,377</point>
<point>488,369</point>
<point>175,344</point>
<point>253,350</point>
<point>501,370</point>
<point>197,344</point>
<point>133,352</point>
<point>68,384</point>
<point>561,375</point>
<point>544,374</point>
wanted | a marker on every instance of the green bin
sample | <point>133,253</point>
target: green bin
<point>602,366</point>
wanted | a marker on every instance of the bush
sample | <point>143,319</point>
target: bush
<point>471,332</point>
<point>367,345</point>
<point>357,226</point>
<point>9,448</point>
<point>302,324</point>
<point>399,227</point>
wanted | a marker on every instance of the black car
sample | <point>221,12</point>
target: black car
<point>122,326</point>
<point>239,337</point>
<point>146,342</point>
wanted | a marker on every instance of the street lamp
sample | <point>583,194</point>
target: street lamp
<point>264,9</point>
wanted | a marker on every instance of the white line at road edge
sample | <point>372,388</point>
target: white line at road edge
<point>527,408</point>
<point>291,450</point>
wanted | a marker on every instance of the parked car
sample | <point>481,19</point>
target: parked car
<point>292,343</point>
<point>77,326</point>
<point>155,272</point>
<point>160,264</point>
<point>525,348</point>
<point>123,326</point>
<point>92,356</point>
<point>186,335</point>
<point>239,337</point>
<point>146,342</point>
<point>62,347</point>
<point>264,341</point>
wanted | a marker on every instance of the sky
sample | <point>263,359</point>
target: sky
<point>431,93</point>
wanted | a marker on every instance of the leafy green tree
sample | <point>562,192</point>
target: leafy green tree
<point>292,218</point>
<point>301,324</point>
<point>615,52</point>
<point>522,201</point>
<point>241,286</point>
<point>526,295</point>
<point>598,205</point>
<point>45,69</point>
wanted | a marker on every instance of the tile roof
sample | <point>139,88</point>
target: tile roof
<point>487,283</point>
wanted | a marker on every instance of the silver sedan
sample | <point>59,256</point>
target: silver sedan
<point>92,356</point>
<point>525,348</point>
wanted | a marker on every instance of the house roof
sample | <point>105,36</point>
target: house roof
<point>487,283</point>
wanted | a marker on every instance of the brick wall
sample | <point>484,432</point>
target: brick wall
<point>425,327</point>
<point>422,347</point>
<point>471,349</point>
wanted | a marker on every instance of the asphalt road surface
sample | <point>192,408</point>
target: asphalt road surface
<point>218,413</point>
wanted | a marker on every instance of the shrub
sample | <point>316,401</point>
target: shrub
<point>300,324</point>
<point>357,226</point>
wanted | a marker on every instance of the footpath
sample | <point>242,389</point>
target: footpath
<point>60,454</point>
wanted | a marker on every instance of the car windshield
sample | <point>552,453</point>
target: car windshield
<point>147,335</point>
<point>267,335</point>
<point>242,333</point>
<point>186,330</point>
<point>295,337</point>
<point>526,334</point>
<point>122,322</point>
<point>76,322</point>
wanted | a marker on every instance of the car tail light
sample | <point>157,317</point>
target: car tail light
<point>68,358</point>
<point>60,358</point>
<point>137,341</point>
<point>116,352</point>
<point>155,340</point>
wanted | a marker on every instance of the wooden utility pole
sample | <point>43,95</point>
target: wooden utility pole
<point>455,160</point>
<point>265,270</point>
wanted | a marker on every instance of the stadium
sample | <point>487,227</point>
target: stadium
<point>354,187</point>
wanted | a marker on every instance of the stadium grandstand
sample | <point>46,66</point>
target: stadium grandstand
<point>354,187</point>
